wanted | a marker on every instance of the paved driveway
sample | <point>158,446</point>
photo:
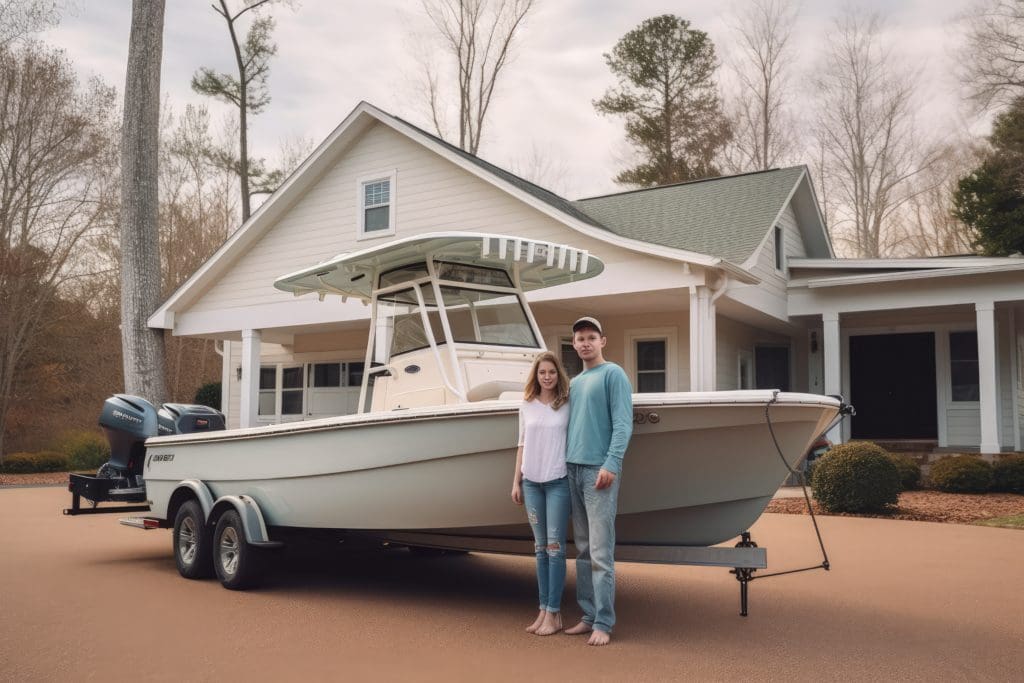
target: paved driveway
<point>87,599</point>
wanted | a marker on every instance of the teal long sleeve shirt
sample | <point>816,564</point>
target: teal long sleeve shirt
<point>600,417</point>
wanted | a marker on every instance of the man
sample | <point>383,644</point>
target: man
<point>600,424</point>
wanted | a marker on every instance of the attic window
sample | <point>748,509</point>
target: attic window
<point>778,248</point>
<point>376,202</point>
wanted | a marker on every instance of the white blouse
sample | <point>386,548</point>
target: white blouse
<point>542,433</point>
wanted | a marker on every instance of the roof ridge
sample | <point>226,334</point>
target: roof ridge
<point>686,182</point>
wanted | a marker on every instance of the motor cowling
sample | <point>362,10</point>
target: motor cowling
<point>182,418</point>
<point>127,421</point>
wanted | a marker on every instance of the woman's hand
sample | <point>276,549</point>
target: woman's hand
<point>517,493</point>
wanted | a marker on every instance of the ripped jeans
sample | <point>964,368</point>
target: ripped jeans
<point>547,508</point>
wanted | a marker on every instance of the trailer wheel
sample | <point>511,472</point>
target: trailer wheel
<point>192,542</point>
<point>238,564</point>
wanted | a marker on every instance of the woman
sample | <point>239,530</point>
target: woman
<point>540,481</point>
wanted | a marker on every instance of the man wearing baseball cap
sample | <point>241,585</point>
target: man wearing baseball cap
<point>600,424</point>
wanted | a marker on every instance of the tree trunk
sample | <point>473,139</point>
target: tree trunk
<point>140,240</point>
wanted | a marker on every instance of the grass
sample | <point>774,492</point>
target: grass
<point>1008,522</point>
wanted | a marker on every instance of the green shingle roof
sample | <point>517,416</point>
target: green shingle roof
<point>725,217</point>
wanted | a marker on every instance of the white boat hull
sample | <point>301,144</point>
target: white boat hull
<point>700,468</point>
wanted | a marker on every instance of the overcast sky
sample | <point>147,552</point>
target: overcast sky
<point>334,53</point>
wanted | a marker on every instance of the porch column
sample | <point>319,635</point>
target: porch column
<point>987,381</point>
<point>702,339</point>
<point>832,354</point>
<point>250,384</point>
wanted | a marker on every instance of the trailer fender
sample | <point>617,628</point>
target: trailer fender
<point>195,488</point>
<point>252,519</point>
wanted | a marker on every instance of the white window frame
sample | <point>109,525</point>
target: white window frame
<point>779,244</point>
<point>391,176</point>
<point>745,356</point>
<point>669,335</point>
<point>277,417</point>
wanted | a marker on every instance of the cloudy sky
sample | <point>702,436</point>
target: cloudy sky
<point>334,53</point>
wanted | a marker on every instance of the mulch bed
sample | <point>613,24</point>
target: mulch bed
<point>42,479</point>
<point>927,506</point>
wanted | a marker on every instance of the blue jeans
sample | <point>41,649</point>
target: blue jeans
<point>593,526</point>
<point>547,508</point>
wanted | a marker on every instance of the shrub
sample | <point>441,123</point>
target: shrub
<point>961,474</point>
<point>84,450</point>
<point>30,463</point>
<point>209,395</point>
<point>856,477</point>
<point>1008,474</point>
<point>910,471</point>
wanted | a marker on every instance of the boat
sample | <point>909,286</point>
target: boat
<point>431,453</point>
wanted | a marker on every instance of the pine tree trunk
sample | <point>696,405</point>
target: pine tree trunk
<point>140,241</point>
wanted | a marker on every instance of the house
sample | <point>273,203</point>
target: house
<point>725,283</point>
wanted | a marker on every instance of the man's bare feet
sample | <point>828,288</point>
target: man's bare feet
<point>552,624</point>
<point>532,628</point>
<point>599,637</point>
<point>579,629</point>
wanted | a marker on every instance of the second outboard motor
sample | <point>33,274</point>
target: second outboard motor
<point>181,418</point>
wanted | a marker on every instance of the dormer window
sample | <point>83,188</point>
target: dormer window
<point>376,202</point>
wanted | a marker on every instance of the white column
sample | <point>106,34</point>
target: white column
<point>987,381</point>
<point>696,367</point>
<point>250,385</point>
<point>702,339</point>
<point>832,354</point>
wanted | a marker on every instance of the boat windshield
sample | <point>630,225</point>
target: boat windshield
<point>475,316</point>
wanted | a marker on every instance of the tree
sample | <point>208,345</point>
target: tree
<point>991,198</point>
<point>55,138</point>
<point>992,69</point>
<point>667,94</point>
<point>247,92</point>
<point>868,145</point>
<point>20,18</point>
<point>142,347</point>
<point>763,127</point>
<point>478,34</point>
<point>928,224</point>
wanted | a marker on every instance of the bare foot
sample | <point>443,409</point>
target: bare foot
<point>579,629</point>
<point>552,624</point>
<point>532,628</point>
<point>599,637</point>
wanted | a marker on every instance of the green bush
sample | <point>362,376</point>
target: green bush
<point>209,395</point>
<point>1008,474</point>
<point>30,463</point>
<point>856,477</point>
<point>910,471</point>
<point>961,474</point>
<point>84,450</point>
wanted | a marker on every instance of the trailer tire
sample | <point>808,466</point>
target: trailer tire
<point>193,543</point>
<point>238,564</point>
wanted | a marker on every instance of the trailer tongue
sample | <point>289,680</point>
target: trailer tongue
<point>128,421</point>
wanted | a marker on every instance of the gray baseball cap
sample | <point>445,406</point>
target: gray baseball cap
<point>586,322</point>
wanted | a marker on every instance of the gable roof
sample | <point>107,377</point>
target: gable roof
<point>597,217</point>
<point>727,217</point>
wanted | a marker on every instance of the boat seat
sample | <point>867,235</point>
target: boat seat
<point>489,391</point>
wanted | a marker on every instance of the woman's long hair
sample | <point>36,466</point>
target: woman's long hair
<point>533,385</point>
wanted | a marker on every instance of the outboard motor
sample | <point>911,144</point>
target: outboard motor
<point>181,418</point>
<point>128,421</point>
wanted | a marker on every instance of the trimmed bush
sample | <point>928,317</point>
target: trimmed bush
<point>856,477</point>
<point>209,395</point>
<point>84,450</point>
<point>1008,474</point>
<point>910,471</point>
<point>31,463</point>
<point>961,474</point>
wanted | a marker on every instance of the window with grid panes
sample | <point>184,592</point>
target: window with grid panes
<point>377,206</point>
<point>651,365</point>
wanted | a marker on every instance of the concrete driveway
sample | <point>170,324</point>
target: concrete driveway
<point>87,599</point>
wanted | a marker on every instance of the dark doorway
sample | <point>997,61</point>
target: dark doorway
<point>771,367</point>
<point>892,386</point>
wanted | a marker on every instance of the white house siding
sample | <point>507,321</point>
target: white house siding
<point>431,194</point>
<point>1019,373</point>
<point>733,337</point>
<point>773,280</point>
